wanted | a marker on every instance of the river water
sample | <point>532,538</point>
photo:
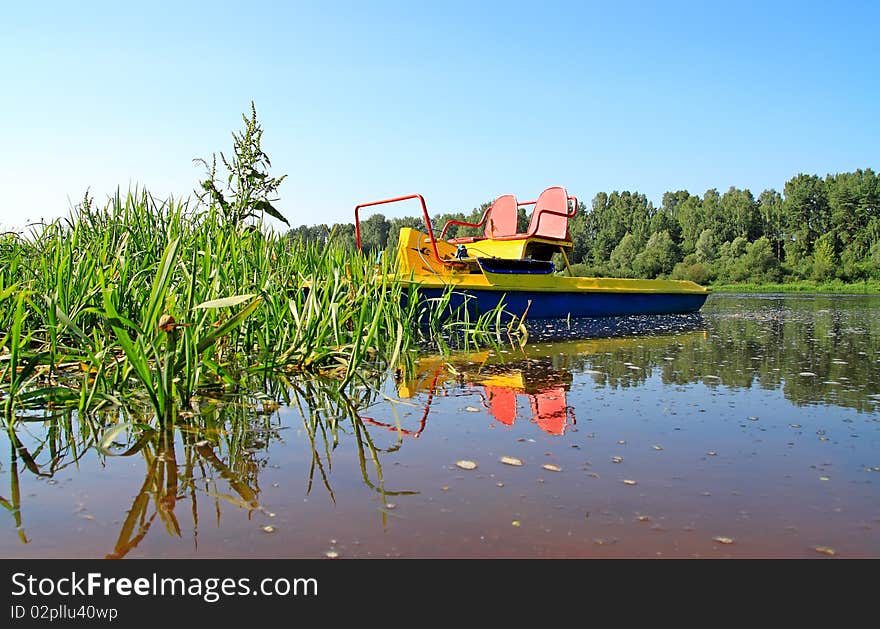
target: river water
<point>750,430</point>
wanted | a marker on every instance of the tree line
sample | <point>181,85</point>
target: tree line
<point>817,229</point>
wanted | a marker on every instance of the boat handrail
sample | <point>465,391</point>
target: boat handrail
<point>357,222</point>
<point>465,223</point>
<point>568,214</point>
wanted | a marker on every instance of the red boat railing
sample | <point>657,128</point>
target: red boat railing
<point>465,224</point>
<point>357,222</point>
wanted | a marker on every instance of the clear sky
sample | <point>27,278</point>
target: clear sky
<point>461,101</point>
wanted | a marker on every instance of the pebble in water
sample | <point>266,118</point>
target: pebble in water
<point>509,460</point>
<point>268,529</point>
<point>466,465</point>
<point>617,459</point>
<point>552,468</point>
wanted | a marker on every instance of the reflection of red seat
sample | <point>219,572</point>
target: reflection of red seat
<point>550,411</point>
<point>498,220</point>
<point>502,404</point>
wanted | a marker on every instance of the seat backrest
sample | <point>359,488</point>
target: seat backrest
<point>546,225</point>
<point>501,219</point>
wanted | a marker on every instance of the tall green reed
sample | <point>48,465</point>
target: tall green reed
<point>152,301</point>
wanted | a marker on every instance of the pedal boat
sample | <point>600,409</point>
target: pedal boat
<point>516,269</point>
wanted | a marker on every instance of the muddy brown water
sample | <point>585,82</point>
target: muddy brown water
<point>752,430</point>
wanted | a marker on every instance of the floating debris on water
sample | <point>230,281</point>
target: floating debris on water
<point>331,554</point>
<point>657,447</point>
<point>509,460</point>
<point>617,459</point>
<point>723,540</point>
<point>516,523</point>
<point>807,374</point>
<point>466,465</point>
<point>552,468</point>
<point>268,529</point>
<point>825,550</point>
<point>472,409</point>
<point>627,481</point>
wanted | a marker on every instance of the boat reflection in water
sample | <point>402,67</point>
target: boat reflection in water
<point>534,381</point>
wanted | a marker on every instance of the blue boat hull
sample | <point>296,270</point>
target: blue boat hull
<point>551,305</point>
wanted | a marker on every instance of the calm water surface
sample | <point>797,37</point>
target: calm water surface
<point>751,430</point>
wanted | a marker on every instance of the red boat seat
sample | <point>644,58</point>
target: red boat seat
<point>499,221</point>
<point>550,216</point>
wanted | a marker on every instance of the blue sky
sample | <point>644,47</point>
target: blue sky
<point>461,101</point>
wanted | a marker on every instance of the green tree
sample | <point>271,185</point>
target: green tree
<point>374,233</point>
<point>705,249</point>
<point>658,257</point>
<point>728,255</point>
<point>758,263</point>
<point>770,210</point>
<point>806,213</point>
<point>624,254</point>
<point>693,220</point>
<point>823,258</point>
<point>738,214</point>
